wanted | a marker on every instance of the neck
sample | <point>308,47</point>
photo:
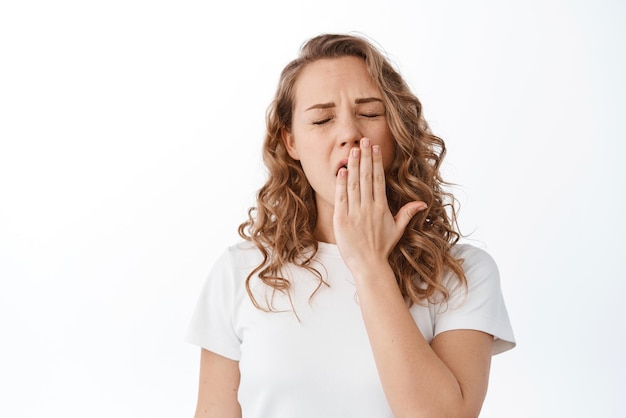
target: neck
<point>324,231</point>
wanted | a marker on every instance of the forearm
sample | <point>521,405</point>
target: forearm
<point>446,378</point>
<point>416,381</point>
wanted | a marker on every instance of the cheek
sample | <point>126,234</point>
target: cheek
<point>388,146</point>
<point>388,155</point>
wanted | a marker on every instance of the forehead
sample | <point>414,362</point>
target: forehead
<point>325,79</point>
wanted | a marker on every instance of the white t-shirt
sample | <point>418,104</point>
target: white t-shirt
<point>321,365</point>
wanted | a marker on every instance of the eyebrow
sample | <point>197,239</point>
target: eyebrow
<point>356,101</point>
<point>368,100</point>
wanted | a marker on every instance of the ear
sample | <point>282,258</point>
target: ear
<point>290,143</point>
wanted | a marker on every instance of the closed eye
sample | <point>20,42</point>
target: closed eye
<point>371,115</point>
<point>322,121</point>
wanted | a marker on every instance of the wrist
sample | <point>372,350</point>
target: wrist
<point>373,273</point>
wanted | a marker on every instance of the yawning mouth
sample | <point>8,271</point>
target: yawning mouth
<point>342,164</point>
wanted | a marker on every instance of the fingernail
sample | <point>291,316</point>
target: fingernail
<point>365,142</point>
<point>375,149</point>
<point>355,152</point>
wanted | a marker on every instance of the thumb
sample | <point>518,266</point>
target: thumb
<point>407,212</point>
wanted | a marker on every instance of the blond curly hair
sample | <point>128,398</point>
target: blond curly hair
<point>281,224</point>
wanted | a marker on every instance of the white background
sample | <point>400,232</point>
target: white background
<point>130,151</point>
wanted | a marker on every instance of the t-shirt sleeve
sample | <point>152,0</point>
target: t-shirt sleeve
<point>480,306</point>
<point>212,323</point>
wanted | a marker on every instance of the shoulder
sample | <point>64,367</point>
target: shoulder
<point>241,249</point>
<point>232,266</point>
<point>474,260</point>
<point>478,305</point>
<point>241,255</point>
<point>481,272</point>
<point>471,254</point>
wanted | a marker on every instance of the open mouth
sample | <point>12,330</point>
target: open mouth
<point>342,164</point>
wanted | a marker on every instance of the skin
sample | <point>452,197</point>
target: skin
<point>217,390</point>
<point>336,104</point>
<point>332,125</point>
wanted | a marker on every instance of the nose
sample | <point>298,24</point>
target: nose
<point>349,133</point>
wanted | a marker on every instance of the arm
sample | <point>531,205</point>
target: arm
<point>445,379</point>
<point>217,391</point>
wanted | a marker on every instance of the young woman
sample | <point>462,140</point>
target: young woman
<point>350,296</point>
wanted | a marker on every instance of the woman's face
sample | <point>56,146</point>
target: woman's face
<point>336,104</point>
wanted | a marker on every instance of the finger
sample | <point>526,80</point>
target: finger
<point>365,173</point>
<point>378,176</point>
<point>353,186</point>
<point>341,195</point>
<point>407,212</point>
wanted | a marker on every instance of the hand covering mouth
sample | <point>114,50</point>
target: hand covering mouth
<point>342,164</point>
